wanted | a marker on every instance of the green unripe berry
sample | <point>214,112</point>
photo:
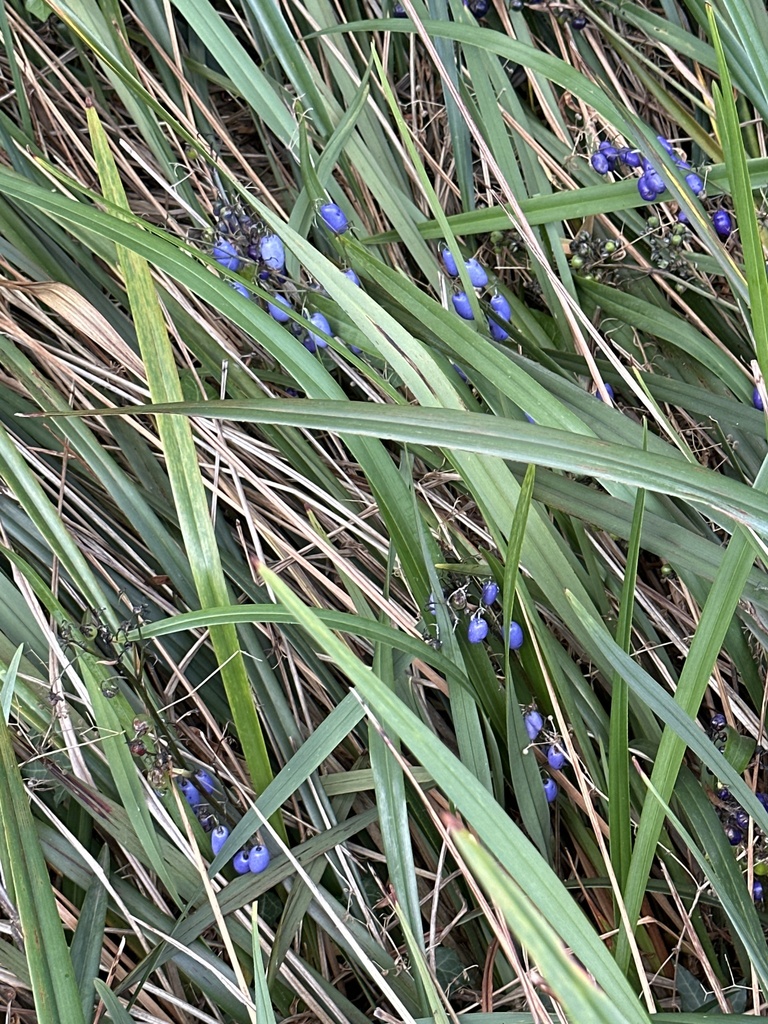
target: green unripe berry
<point>653,222</point>
<point>609,247</point>
<point>577,262</point>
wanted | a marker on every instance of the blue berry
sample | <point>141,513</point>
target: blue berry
<point>734,835</point>
<point>497,333</point>
<point>534,723</point>
<point>477,273</point>
<point>757,891</point>
<point>757,401</point>
<point>718,721</point>
<point>272,252</point>
<point>274,310</point>
<point>241,289</point>
<point>321,322</point>
<point>501,307</point>
<point>647,192</point>
<point>226,255</point>
<point>240,862</point>
<point>722,223</point>
<point>741,820</point>
<point>578,22</point>
<point>655,181</point>
<point>489,592</point>
<point>666,144</point>
<point>629,157</point>
<point>334,218</point>
<point>682,217</point>
<point>205,780</point>
<point>600,162</point>
<point>477,630</point>
<point>724,795</point>
<point>462,306</point>
<point>258,859</point>
<point>478,7</point>
<point>608,388</point>
<point>556,757</point>
<point>219,836</point>
<point>349,272</point>
<point>695,183</point>
<point>609,150</point>
<point>516,636</point>
<point>191,792</point>
<point>449,263</point>
<point>550,790</point>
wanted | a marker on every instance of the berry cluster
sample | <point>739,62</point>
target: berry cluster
<point>667,250</point>
<point>240,243</point>
<point>478,277</point>
<point>590,255</point>
<point>556,757</point>
<point>607,158</point>
<point>254,860</point>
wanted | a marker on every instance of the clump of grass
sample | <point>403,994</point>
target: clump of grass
<point>228,551</point>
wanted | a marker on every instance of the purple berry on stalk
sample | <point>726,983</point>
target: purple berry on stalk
<point>666,144</point>
<point>477,273</point>
<point>722,223</point>
<point>757,400</point>
<point>240,862</point>
<point>647,192</point>
<point>477,630</point>
<point>630,157</point>
<point>334,218</point>
<point>449,262</point>
<point>219,836</point>
<point>320,321</point>
<point>462,306</point>
<point>550,790</point>
<point>757,891</point>
<point>501,307</point>
<point>734,835</point>
<point>205,780</point>
<point>275,311</point>
<point>191,792</point>
<point>258,859</point>
<point>226,255</point>
<point>534,723</point>
<point>272,252</point>
<point>516,636</point>
<point>695,183</point>
<point>600,162</point>
<point>489,593</point>
<point>717,722</point>
<point>556,757</point>
<point>655,181</point>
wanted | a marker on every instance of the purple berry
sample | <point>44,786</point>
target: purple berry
<point>274,310</point>
<point>497,333</point>
<point>479,7</point>
<point>718,722</point>
<point>757,400</point>
<point>477,273</point>
<point>550,790</point>
<point>682,217</point>
<point>629,157</point>
<point>695,183</point>
<point>516,636</point>
<point>258,859</point>
<point>600,162</point>
<point>734,835</point>
<point>240,862</point>
<point>655,181</point>
<point>534,723</point>
<point>608,388</point>
<point>320,321</point>
<point>205,780</point>
<point>219,836</point>
<point>449,263</point>
<point>741,820</point>
<point>226,255</point>
<point>501,307</point>
<point>722,223</point>
<point>666,144</point>
<point>477,630</point>
<point>757,891</point>
<point>578,22</point>
<point>644,188</point>
<point>349,272</point>
<point>241,289</point>
<point>462,306</point>
<point>334,218</point>
<point>489,592</point>
<point>556,757</point>
<point>272,252</point>
<point>724,795</point>
<point>191,792</point>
